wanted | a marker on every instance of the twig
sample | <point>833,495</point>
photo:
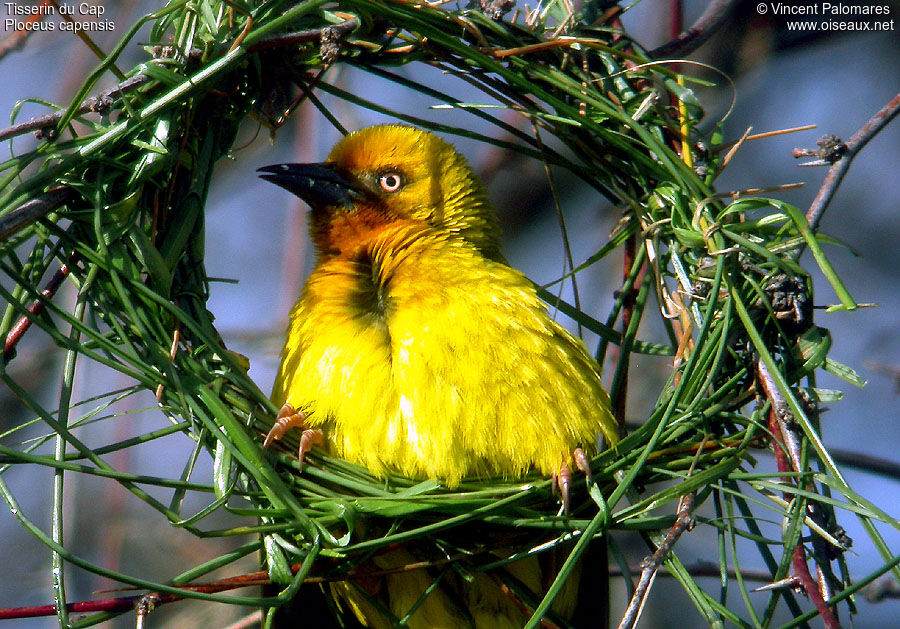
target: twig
<point>125,603</point>
<point>28,213</point>
<point>104,100</point>
<point>881,590</point>
<point>853,146</point>
<point>37,307</point>
<point>766,134</point>
<point>17,38</point>
<point>143,603</point>
<point>701,30</point>
<point>866,463</point>
<point>281,40</point>
<point>299,37</point>
<point>808,584</point>
<point>786,437</point>
<point>652,564</point>
<point>98,103</point>
<point>146,603</point>
<point>780,413</point>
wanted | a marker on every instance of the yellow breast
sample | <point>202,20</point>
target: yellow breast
<point>416,353</point>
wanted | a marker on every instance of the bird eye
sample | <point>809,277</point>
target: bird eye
<point>390,181</point>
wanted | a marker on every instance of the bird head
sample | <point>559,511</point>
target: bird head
<point>388,173</point>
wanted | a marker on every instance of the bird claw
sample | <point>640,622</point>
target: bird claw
<point>583,463</point>
<point>288,418</point>
<point>562,480</point>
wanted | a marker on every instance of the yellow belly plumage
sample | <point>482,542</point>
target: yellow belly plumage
<point>430,360</point>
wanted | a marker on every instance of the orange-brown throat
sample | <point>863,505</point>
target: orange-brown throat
<point>344,232</point>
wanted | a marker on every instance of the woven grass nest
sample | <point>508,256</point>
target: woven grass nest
<point>111,200</point>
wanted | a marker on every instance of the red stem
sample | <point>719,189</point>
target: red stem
<point>798,560</point>
<point>37,307</point>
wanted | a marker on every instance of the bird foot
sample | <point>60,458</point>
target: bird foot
<point>288,418</point>
<point>583,463</point>
<point>562,480</point>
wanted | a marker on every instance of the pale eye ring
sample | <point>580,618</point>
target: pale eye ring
<point>390,181</point>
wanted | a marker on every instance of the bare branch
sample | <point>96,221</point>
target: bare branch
<point>653,563</point>
<point>124,603</point>
<point>17,38</point>
<point>882,590</point>
<point>26,214</point>
<point>97,103</point>
<point>299,37</point>
<point>701,30</point>
<point>21,326</point>
<point>854,145</point>
<point>780,413</point>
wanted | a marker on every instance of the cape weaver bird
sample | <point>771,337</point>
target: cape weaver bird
<point>415,348</point>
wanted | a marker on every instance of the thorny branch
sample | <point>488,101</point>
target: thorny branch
<point>787,437</point>
<point>853,146</point>
<point>99,103</point>
<point>652,564</point>
<point>786,447</point>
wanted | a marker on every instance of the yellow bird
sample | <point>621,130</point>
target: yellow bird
<point>415,348</point>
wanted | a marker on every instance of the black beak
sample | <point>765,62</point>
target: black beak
<point>320,185</point>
